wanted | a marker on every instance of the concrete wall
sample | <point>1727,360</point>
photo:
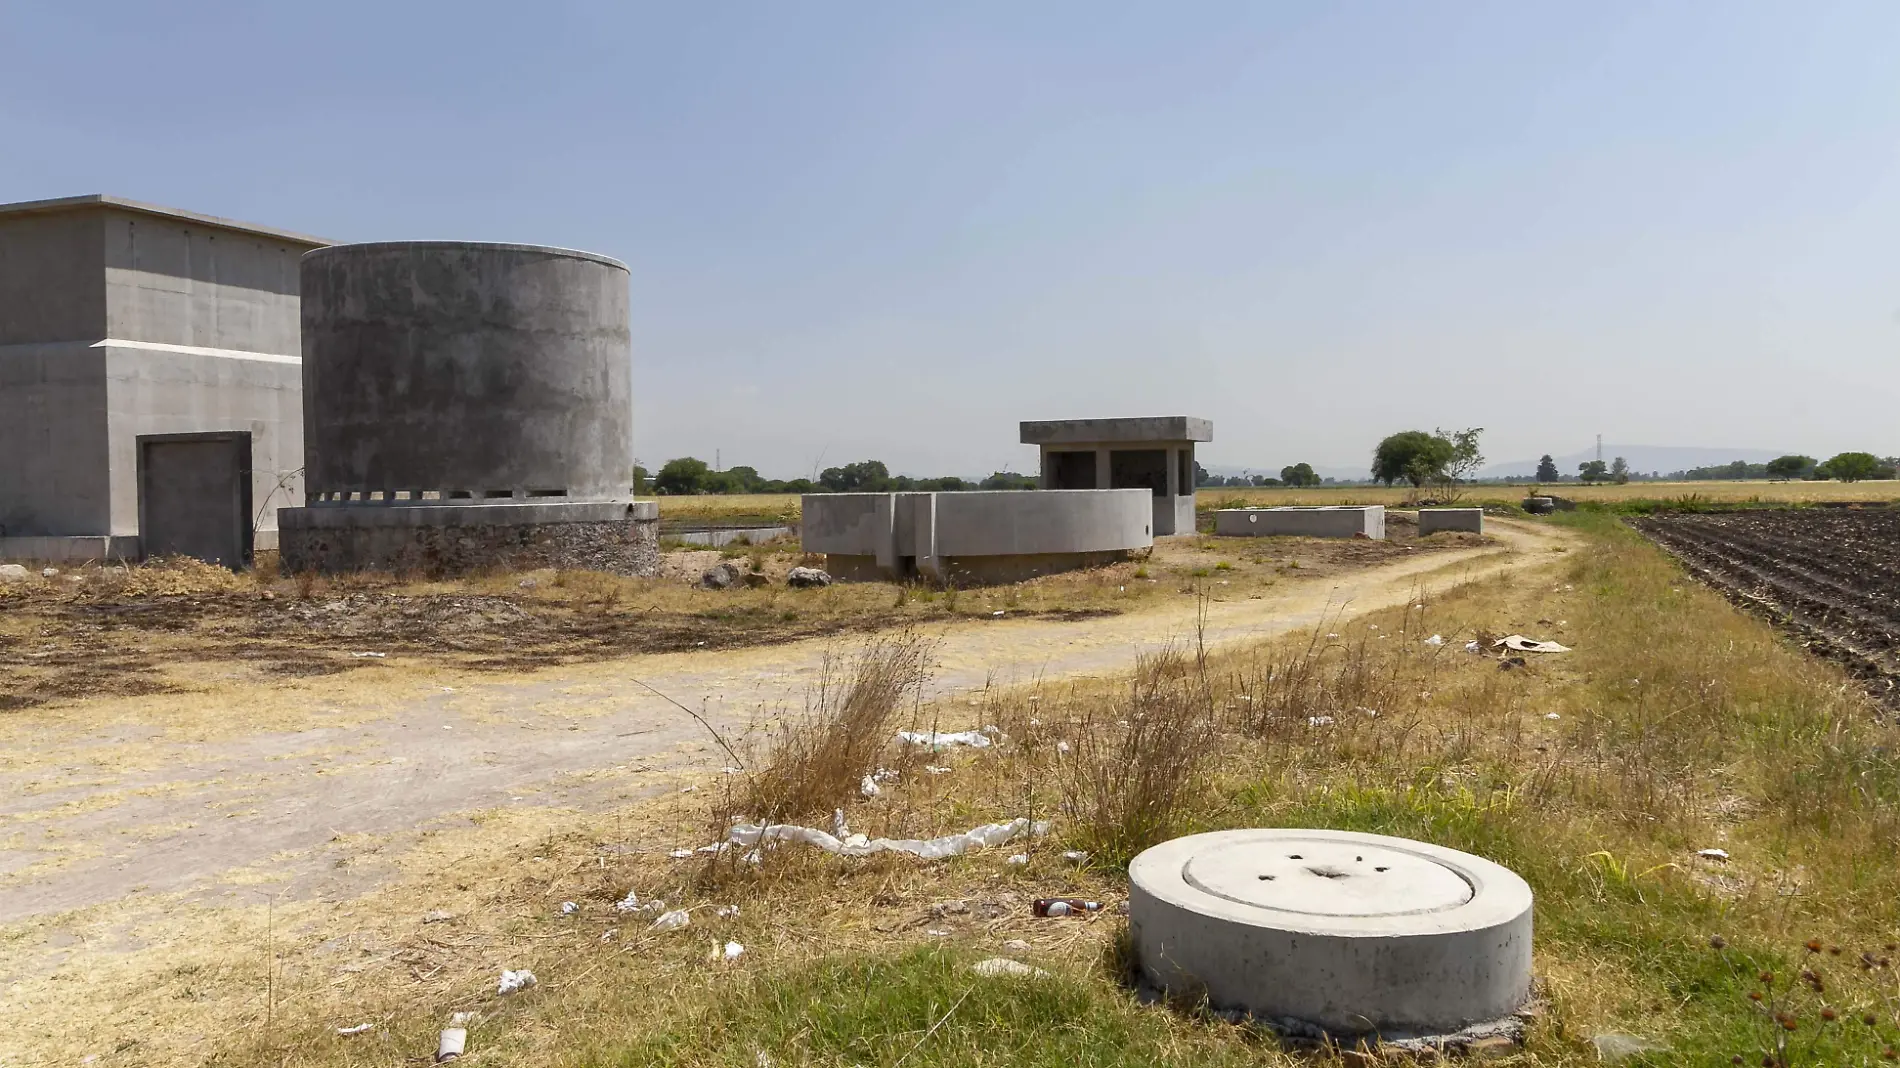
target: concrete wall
<point>161,392</point>
<point>465,368</point>
<point>1333,521</point>
<point>55,475</point>
<point>953,535</point>
<point>448,539</point>
<point>52,278</point>
<point>1434,520</point>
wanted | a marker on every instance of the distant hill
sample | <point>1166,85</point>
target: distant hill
<point>1642,459</point>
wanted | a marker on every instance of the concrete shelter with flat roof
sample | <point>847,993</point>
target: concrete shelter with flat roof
<point>1155,453</point>
<point>149,362</point>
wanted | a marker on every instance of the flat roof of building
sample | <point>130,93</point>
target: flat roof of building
<point>1141,428</point>
<point>103,200</point>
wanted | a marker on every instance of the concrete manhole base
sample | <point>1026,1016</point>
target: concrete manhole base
<point>1349,933</point>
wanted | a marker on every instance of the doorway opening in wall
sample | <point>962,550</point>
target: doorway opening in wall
<point>1072,470</point>
<point>195,496</point>
<point>1184,478</point>
<point>1139,469</point>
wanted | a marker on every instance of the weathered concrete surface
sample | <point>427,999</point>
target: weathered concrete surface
<point>461,368</point>
<point>1434,520</point>
<point>1154,453</point>
<point>1328,521</point>
<point>974,536</point>
<point>1351,932</point>
<point>119,319</point>
<point>448,539</point>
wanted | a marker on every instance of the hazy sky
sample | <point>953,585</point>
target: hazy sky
<point>893,230</point>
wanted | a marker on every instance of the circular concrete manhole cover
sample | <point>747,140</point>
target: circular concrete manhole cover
<point>1317,877</point>
<point>1351,932</point>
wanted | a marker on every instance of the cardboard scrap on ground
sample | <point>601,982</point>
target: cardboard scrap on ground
<point>1520,644</point>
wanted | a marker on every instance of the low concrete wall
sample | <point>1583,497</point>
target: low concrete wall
<point>452,539</point>
<point>79,549</point>
<point>976,536</point>
<point>1331,521</point>
<point>1435,520</point>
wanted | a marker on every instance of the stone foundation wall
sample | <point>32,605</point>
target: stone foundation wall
<point>619,546</point>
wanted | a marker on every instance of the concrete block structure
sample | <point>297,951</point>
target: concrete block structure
<point>1328,521</point>
<point>1355,934</point>
<point>121,321</point>
<point>974,536</point>
<point>467,406</point>
<point>1435,520</point>
<point>1154,453</point>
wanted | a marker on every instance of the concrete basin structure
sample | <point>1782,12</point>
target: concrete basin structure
<point>1328,521</point>
<point>1352,933</point>
<point>974,536</point>
<point>1435,520</point>
<point>467,405</point>
<point>1155,453</point>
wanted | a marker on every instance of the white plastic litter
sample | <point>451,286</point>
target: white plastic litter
<point>569,908</point>
<point>838,826</point>
<point>1018,860</point>
<point>1519,644</point>
<point>680,854</point>
<point>1712,854</point>
<point>357,1030</point>
<point>688,789</point>
<point>998,614</point>
<point>513,981</point>
<point>733,952</point>
<point>1319,721</point>
<point>1473,647</point>
<point>1062,747</point>
<point>869,787</point>
<point>934,933</point>
<point>630,903</point>
<point>885,775</point>
<point>370,656</point>
<point>1076,856</point>
<point>450,1046</point>
<point>997,967</point>
<point>672,921</point>
<point>727,912</point>
<point>990,834</point>
<point>1552,715</point>
<point>938,741</point>
<point>938,769</point>
<point>1435,640</point>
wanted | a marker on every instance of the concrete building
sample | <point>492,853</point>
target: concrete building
<point>973,536</point>
<point>149,380</point>
<point>1155,453</point>
<point>1435,520</point>
<point>467,405</point>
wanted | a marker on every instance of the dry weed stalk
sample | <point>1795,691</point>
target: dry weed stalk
<point>816,761</point>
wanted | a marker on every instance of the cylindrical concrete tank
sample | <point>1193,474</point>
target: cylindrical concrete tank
<point>465,371</point>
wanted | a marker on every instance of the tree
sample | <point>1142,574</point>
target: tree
<point>869,476</point>
<point>640,476</point>
<point>1791,466</point>
<point>1547,469</point>
<point>1853,466</point>
<point>1411,456</point>
<point>684,475</point>
<point>1465,459</point>
<point>1008,480</point>
<point>1300,474</point>
<point>1593,470</point>
<point>1620,470</point>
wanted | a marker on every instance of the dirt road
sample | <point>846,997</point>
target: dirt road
<point>102,814</point>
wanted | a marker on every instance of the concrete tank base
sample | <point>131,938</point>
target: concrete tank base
<point>1327,521</point>
<point>1435,520</point>
<point>1350,933</point>
<point>442,540</point>
<point>978,570</point>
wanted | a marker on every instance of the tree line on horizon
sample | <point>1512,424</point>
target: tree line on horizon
<point>689,476</point>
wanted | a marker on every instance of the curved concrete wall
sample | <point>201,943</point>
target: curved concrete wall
<point>971,533</point>
<point>463,368</point>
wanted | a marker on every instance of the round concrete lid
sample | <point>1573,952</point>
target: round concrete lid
<point>1330,882</point>
<point>1321,877</point>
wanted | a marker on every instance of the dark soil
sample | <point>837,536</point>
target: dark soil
<point>1831,577</point>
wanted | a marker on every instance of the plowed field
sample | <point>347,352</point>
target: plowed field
<point>1830,575</point>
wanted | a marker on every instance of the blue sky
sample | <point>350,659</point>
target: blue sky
<point>892,231</point>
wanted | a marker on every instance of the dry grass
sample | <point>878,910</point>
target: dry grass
<point>815,762</point>
<point>1750,490</point>
<point>1676,725</point>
